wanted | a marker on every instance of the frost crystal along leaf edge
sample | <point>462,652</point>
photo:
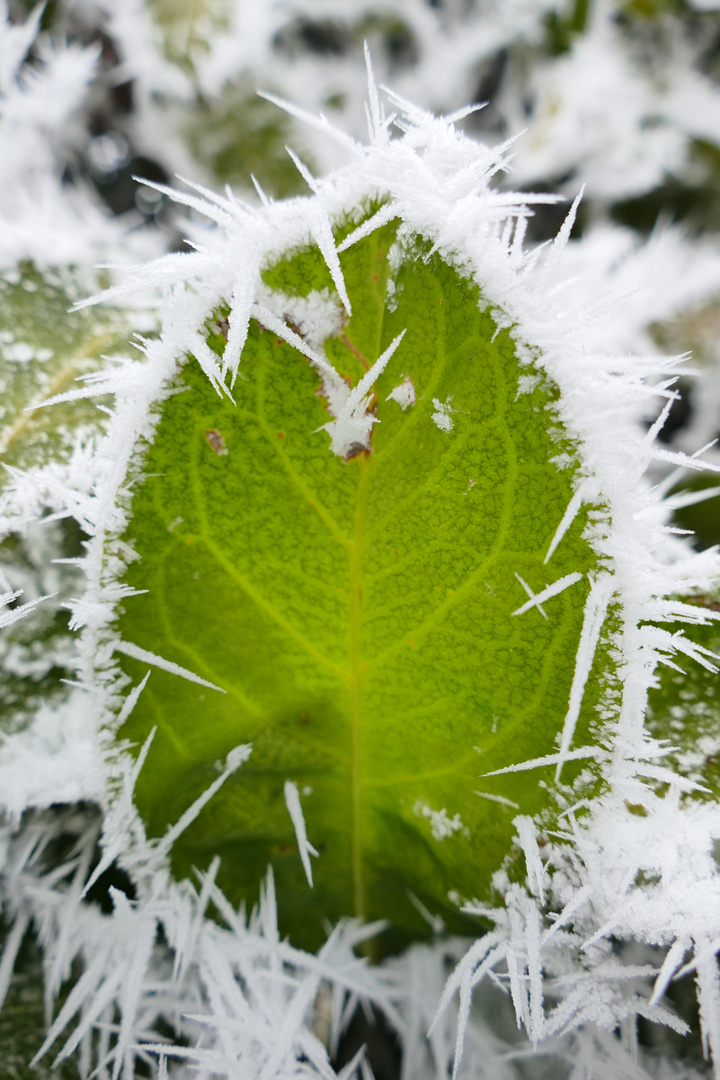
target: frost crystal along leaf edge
<point>438,184</point>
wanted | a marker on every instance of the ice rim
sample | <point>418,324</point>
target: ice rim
<point>245,1002</point>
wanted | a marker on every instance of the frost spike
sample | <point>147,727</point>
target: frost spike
<point>601,591</point>
<point>266,318</point>
<point>377,129</point>
<point>264,199</point>
<point>671,963</point>
<point>131,700</point>
<point>15,614</point>
<point>533,601</point>
<point>583,494</point>
<point>10,951</point>
<point>342,427</point>
<point>235,759</point>
<point>548,592</point>
<point>385,214</point>
<point>552,759</point>
<point>292,801</point>
<point>167,665</point>
<point>320,123</point>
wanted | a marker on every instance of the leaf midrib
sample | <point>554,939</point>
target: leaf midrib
<point>356,661</point>
<point>355,667</point>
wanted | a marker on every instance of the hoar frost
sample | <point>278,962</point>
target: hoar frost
<point>403,393</point>
<point>442,415</point>
<point>441,825</point>
<point>237,995</point>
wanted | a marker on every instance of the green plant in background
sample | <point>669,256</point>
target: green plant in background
<point>43,354</point>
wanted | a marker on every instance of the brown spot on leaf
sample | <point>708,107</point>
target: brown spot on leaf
<point>216,441</point>
<point>356,450</point>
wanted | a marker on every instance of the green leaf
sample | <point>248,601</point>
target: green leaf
<point>37,652</point>
<point>43,350</point>
<point>359,613</point>
<point>701,518</point>
<point>684,709</point>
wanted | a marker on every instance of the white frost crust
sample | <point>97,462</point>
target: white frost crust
<point>66,765</point>
<point>442,414</point>
<point>647,877</point>
<point>403,393</point>
<point>317,316</point>
<point>441,824</point>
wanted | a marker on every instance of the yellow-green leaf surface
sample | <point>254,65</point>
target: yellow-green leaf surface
<point>359,613</point>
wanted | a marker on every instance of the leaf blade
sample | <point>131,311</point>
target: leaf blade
<point>359,612</point>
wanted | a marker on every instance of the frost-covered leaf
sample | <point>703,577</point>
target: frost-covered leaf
<point>685,710</point>
<point>246,573</point>
<point>370,617</point>
<point>37,651</point>
<point>43,350</point>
